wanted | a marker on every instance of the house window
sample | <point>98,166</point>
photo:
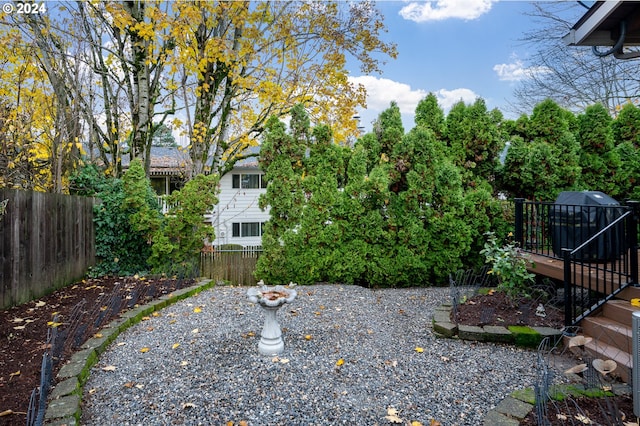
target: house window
<point>248,181</point>
<point>247,229</point>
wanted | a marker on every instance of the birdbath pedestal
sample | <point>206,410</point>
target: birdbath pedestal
<point>271,299</point>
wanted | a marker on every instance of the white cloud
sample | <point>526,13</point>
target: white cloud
<point>445,9</point>
<point>448,98</point>
<point>382,91</point>
<point>516,71</point>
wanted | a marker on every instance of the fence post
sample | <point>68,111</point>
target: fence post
<point>519,219</point>
<point>632,240</point>
<point>568,317</point>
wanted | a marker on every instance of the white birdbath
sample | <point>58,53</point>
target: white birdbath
<point>271,299</point>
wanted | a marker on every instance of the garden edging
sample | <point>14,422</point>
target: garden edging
<point>529,337</point>
<point>64,402</point>
<point>515,407</point>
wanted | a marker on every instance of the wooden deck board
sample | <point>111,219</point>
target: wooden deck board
<point>594,276</point>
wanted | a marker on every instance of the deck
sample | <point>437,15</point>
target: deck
<point>605,277</point>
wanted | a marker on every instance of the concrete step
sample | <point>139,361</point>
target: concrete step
<point>619,310</point>
<point>608,331</point>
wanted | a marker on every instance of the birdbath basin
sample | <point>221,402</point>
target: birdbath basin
<point>271,299</point>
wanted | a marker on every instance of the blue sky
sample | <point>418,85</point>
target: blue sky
<point>457,49</point>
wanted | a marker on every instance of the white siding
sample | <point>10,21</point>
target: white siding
<point>237,205</point>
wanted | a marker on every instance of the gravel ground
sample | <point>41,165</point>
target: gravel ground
<point>216,374</point>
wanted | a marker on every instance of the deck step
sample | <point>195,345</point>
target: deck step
<point>609,331</point>
<point>619,310</point>
<point>598,349</point>
<point>629,293</point>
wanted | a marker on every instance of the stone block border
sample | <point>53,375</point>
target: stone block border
<point>529,337</point>
<point>64,404</point>
<point>515,407</point>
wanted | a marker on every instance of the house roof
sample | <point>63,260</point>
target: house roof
<point>171,161</point>
<point>607,23</point>
<point>164,161</point>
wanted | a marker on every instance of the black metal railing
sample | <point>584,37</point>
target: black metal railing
<point>597,243</point>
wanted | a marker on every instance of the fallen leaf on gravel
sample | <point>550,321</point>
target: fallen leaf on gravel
<point>175,345</point>
<point>146,318</point>
<point>188,405</point>
<point>109,368</point>
<point>92,391</point>
<point>561,416</point>
<point>445,359</point>
<point>392,416</point>
<point>419,350</point>
<point>195,330</point>
<point>339,362</point>
<point>284,360</point>
<point>434,422</point>
<point>17,373</point>
<point>155,314</point>
<point>54,324</point>
<point>576,369</point>
<point>145,349</point>
<point>197,309</point>
<point>129,384</point>
<point>139,386</point>
<point>120,344</point>
<point>417,423</point>
<point>97,335</point>
<point>40,304</point>
<point>184,363</point>
<point>18,320</point>
<point>19,327</point>
<point>307,337</point>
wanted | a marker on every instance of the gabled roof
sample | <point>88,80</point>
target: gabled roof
<point>607,23</point>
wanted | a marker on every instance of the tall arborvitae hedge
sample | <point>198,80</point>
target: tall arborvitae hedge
<point>394,213</point>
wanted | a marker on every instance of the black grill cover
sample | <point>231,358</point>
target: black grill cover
<point>576,216</point>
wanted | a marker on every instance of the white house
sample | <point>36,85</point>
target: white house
<point>237,218</point>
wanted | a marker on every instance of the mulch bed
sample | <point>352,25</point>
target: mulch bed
<point>603,411</point>
<point>24,328</point>
<point>497,309</point>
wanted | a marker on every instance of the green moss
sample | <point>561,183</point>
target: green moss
<point>527,395</point>
<point>525,336</point>
<point>562,392</point>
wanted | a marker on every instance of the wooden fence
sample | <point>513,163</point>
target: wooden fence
<point>234,266</point>
<point>48,241</point>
